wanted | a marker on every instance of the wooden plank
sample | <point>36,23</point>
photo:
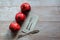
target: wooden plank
<point>45,13</point>
<point>32,2</point>
<point>48,30</point>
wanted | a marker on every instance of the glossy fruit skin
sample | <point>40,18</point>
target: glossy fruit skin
<point>14,27</point>
<point>20,17</point>
<point>25,7</point>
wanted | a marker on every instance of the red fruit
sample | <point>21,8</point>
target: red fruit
<point>25,7</point>
<point>20,17</point>
<point>14,27</point>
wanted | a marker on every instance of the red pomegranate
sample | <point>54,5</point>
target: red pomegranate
<point>25,7</point>
<point>14,27</point>
<point>20,17</point>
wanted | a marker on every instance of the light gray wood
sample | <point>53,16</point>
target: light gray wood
<point>48,23</point>
<point>45,13</point>
<point>48,30</point>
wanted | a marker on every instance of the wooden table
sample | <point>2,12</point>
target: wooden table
<point>48,23</point>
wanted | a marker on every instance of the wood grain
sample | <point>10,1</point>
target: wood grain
<point>48,24</point>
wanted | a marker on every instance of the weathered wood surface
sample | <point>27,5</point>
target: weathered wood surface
<point>49,18</point>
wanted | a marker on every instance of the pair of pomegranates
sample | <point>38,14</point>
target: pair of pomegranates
<point>20,17</point>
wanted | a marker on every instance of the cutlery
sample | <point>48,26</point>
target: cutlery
<point>32,32</point>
